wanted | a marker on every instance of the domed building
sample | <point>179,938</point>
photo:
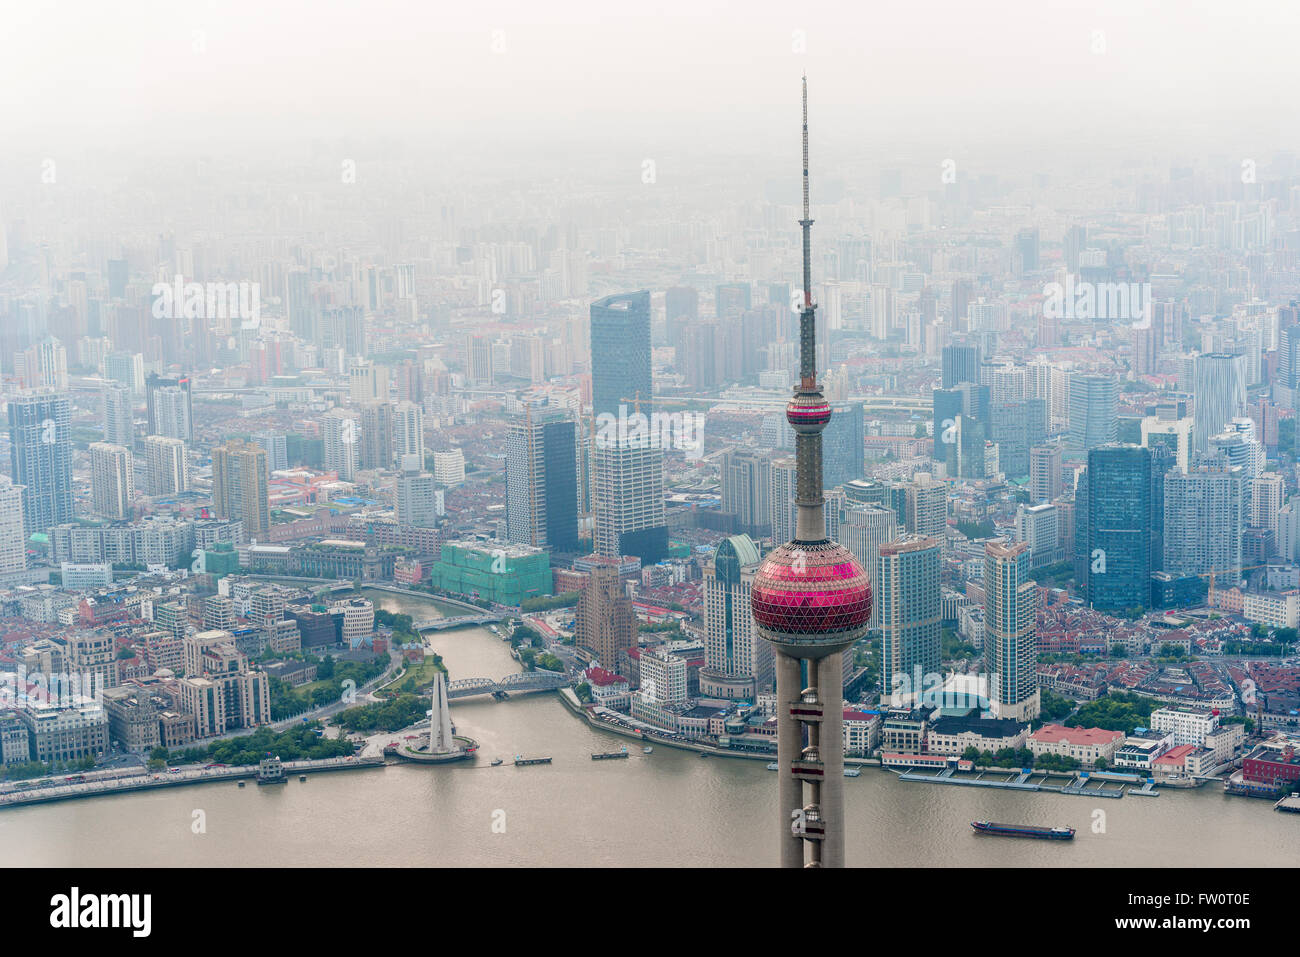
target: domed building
<point>737,661</point>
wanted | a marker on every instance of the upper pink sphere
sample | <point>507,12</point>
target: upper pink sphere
<point>811,596</point>
<point>807,413</point>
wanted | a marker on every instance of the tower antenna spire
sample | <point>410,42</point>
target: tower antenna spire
<point>806,223</point>
<point>811,599</point>
<point>805,149</point>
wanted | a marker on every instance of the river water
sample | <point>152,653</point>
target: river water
<point>668,808</point>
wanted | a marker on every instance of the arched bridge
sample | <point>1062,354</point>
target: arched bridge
<point>460,621</point>
<point>511,684</point>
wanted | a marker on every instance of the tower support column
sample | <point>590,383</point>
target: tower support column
<point>830,687</point>
<point>789,744</point>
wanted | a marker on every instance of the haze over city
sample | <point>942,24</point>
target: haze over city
<point>671,436</point>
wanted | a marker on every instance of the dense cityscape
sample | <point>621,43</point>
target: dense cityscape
<point>286,435</point>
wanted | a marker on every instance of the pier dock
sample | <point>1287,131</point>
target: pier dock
<point>1025,779</point>
<point>1290,803</point>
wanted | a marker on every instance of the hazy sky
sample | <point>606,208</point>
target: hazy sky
<point>995,74</point>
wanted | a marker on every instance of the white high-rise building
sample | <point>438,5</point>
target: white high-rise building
<point>1177,432</point>
<point>1008,383</point>
<point>1219,391</point>
<point>1268,492</point>
<point>339,429</point>
<point>277,449</point>
<point>1203,521</point>
<point>408,435</point>
<point>171,406</point>
<point>368,383</point>
<point>119,415</point>
<point>781,498</point>
<point>1288,532</point>
<point>1038,527</point>
<point>1238,447</point>
<point>663,678</point>
<point>627,493</point>
<point>44,365</point>
<point>864,527</point>
<point>13,541</point>
<point>746,484</point>
<point>419,500</point>
<point>1010,631</point>
<point>126,368</point>
<point>927,506</point>
<point>112,481</point>
<point>449,467</point>
<point>1188,725</point>
<point>166,465</point>
<point>737,663</point>
<point>1051,383</point>
<point>1251,455</point>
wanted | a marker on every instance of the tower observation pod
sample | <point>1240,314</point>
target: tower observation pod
<point>811,599</point>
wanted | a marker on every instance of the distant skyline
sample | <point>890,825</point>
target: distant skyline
<point>1014,77</point>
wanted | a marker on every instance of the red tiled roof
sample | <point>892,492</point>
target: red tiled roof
<point>1176,755</point>
<point>859,715</point>
<point>599,676</point>
<point>1057,734</point>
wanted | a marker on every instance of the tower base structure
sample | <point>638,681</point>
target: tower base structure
<point>810,759</point>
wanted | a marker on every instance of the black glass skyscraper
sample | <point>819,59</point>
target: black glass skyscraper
<point>1114,527</point>
<point>842,445</point>
<point>1017,426</point>
<point>559,442</point>
<point>620,352</point>
<point>961,363</point>
<point>542,481</point>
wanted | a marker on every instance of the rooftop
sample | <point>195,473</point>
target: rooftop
<point>985,727</point>
<point>602,678</point>
<point>1176,755</point>
<point>1059,734</point>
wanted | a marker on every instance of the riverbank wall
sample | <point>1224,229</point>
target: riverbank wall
<point>149,782</point>
<point>575,706</point>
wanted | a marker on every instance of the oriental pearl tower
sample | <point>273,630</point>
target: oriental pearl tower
<point>811,600</point>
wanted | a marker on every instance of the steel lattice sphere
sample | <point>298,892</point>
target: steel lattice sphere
<point>808,414</point>
<point>811,599</point>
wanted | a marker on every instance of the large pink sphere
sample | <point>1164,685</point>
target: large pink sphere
<point>811,597</point>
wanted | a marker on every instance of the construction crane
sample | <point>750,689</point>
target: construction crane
<point>661,400</point>
<point>1219,571</point>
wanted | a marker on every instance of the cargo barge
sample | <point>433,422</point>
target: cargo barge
<point>521,761</point>
<point>1024,830</point>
